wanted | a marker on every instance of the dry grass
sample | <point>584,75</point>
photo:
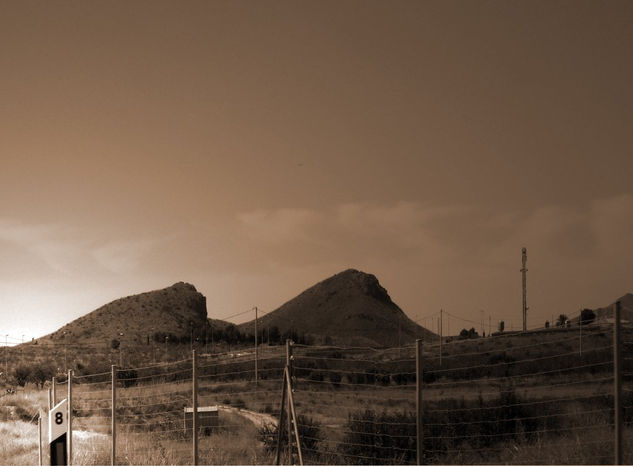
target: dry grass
<point>18,443</point>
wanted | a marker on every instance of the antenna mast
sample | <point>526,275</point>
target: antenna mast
<point>523,276</point>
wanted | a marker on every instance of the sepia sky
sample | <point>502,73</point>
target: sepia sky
<point>255,148</point>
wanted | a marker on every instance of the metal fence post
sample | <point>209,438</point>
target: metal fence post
<point>418,389</point>
<point>39,436</point>
<point>194,377</point>
<point>617,383</point>
<point>113,453</point>
<point>69,438</point>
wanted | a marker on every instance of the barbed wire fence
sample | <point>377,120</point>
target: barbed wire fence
<point>546,396</point>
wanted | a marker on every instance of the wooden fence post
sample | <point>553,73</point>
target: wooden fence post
<point>419,380</point>
<point>280,425</point>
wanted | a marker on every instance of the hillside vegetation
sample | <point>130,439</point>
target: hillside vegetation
<point>349,308</point>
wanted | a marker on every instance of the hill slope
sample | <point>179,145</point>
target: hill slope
<point>170,310</point>
<point>349,308</point>
<point>626,309</point>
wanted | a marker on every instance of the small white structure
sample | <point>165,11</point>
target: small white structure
<point>208,418</point>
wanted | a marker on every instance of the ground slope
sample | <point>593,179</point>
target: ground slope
<point>350,308</point>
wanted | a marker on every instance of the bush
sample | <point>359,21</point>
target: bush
<point>379,438</point>
<point>587,316</point>
<point>127,377</point>
<point>309,434</point>
<point>21,374</point>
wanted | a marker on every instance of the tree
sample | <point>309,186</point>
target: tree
<point>467,334</point>
<point>40,373</point>
<point>587,316</point>
<point>115,343</point>
<point>501,326</point>
<point>21,374</point>
<point>561,320</point>
<point>547,324</point>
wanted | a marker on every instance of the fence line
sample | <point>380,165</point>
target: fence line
<point>483,404</point>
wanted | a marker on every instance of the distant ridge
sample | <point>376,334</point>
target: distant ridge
<point>173,311</point>
<point>349,308</point>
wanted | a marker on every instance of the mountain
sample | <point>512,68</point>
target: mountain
<point>626,309</point>
<point>605,314</point>
<point>349,308</point>
<point>169,311</point>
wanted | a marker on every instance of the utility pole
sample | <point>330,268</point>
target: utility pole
<point>191,341</point>
<point>580,324</point>
<point>524,280</point>
<point>441,333</point>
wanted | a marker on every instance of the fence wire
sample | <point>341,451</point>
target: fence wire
<point>542,397</point>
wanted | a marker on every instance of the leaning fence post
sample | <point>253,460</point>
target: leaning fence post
<point>418,390</point>
<point>291,407</point>
<point>194,377</point>
<point>280,425</point>
<point>69,438</point>
<point>617,383</point>
<point>113,454</point>
<point>289,413</point>
<point>53,397</point>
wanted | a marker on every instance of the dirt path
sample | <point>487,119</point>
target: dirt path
<point>259,419</point>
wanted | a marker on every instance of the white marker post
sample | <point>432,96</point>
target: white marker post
<point>57,431</point>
